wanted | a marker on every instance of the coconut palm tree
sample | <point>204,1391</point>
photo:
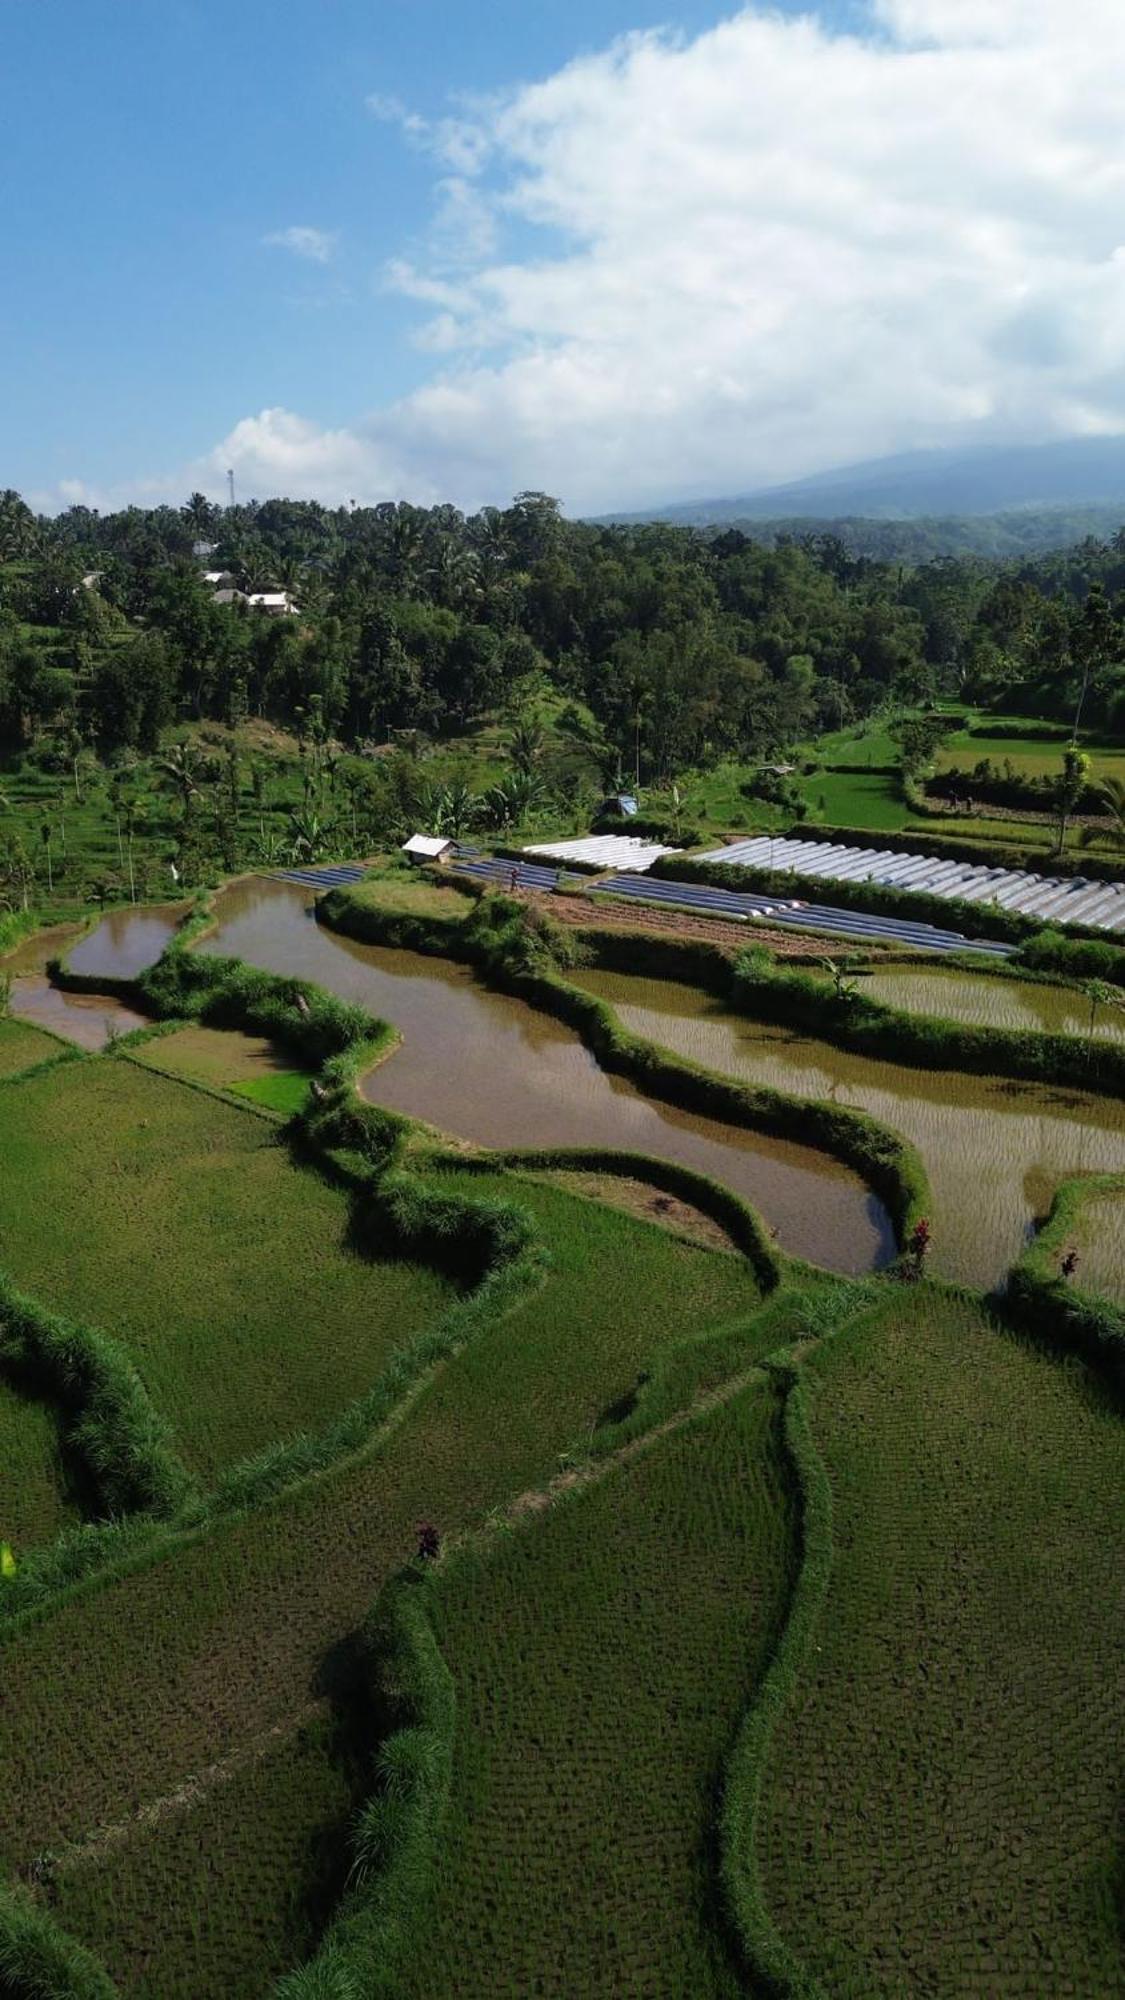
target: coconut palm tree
<point>182,770</point>
<point>1112,794</point>
<point>525,747</point>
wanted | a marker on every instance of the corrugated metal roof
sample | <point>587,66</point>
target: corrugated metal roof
<point>428,844</point>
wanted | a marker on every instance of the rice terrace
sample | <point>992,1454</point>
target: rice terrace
<point>515,1480</point>
<point>562,1268</point>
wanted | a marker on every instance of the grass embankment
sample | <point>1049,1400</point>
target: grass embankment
<point>940,1812</point>
<point>179,1226</point>
<point>133,1686</point>
<point>1087,1310</point>
<point>601,1655</point>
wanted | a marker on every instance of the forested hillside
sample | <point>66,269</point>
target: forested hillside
<point>660,650</point>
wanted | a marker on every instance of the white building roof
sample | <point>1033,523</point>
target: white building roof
<point>1071,899</point>
<point>624,853</point>
<point>426,843</point>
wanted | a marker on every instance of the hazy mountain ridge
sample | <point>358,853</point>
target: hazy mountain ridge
<point>991,501</point>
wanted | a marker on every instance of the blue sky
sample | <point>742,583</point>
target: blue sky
<point>158,143</point>
<point>621,262</point>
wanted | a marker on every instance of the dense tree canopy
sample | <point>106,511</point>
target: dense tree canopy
<point>684,647</point>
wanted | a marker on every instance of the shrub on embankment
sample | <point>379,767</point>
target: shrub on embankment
<point>38,1961</point>
<point>111,1426</point>
<point>1074,958</point>
<point>15,925</point>
<point>870,898</point>
<point>375,1931</point>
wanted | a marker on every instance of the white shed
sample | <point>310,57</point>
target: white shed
<point>427,847</point>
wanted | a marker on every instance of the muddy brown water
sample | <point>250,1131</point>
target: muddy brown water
<point>994,1150</point>
<point>87,1019</point>
<point>489,1069</point>
<point>126,942</point>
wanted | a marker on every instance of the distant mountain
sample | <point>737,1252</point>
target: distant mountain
<point>993,537</point>
<point>1066,490</point>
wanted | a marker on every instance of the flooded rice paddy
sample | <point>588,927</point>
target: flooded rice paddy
<point>994,1150</point>
<point>489,1069</point>
<point>126,942</point>
<point>86,1019</point>
<point>983,1001</point>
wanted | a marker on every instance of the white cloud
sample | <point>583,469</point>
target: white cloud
<point>317,245</point>
<point>703,265</point>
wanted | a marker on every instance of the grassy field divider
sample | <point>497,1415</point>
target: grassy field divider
<point>520,951</point>
<point>398,1830</point>
<point>379,1925</point>
<point>1051,1308</point>
<point>38,1961</point>
<point>762,1946</point>
<point>850,1020</point>
<point>111,1425</point>
<point>741,1223</point>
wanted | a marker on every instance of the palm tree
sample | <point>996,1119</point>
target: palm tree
<point>454,573</point>
<point>1112,794</point>
<point>135,816</point>
<point>201,515</point>
<point>525,747</point>
<point>182,769</point>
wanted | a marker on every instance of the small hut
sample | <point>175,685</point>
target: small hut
<point>423,847</point>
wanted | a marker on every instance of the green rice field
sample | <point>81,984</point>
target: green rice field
<point>1099,1238</point>
<point>602,1655</point>
<point>988,1002</point>
<point>35,1498</point>
<point>941,1811</point>
<point>22,1047</point>
<point>759,1631</point>
<point>141,1686</point>
<point>179,1226</point>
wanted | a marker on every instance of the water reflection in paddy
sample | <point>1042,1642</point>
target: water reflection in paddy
<point>994,1150</point>
<point>495,1071</point>
<point>126,942</point>
<point>988,1002</point>
<point>123,944</point>
<point>87,1019</point>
